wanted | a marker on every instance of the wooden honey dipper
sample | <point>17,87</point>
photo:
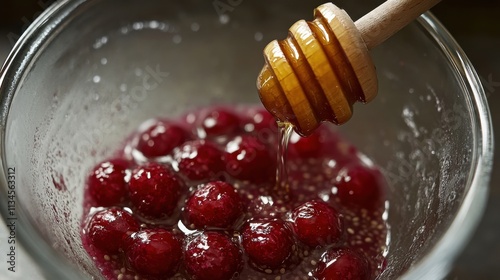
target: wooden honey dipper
<point>323,67</point>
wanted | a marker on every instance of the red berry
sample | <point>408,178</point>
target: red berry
<point>199,160</point>
<point>262,123</point>
<point>309,146</point>
<point>315,223</point>
<point>212,255</point>
<point>219,122</point>
<point>313,145</point>
<point>322,143</point>
<point>108,229</point>
<point>247,158</point>
<point>342,263</point>
<point>154,191</point>
<point>359,186</point>
<point>160,138</point>
<point>154,252</point>
<point>106,182</point>
<point>216,204</point>
<point>267,243</point>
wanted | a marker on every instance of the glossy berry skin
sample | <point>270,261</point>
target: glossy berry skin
<point>215,204</point>
<point>342,264</point>
<point>154,191</point>
<point>359,187</point>
<point>306,147</point>
<point>208,206</point>
<point>315,145</point>
<point>154,252</point>
<point>107,183</point>
<point>212,255</point>
<point>315,223</point>
<point>323,142</point>
<point>219,122</point>
<point>161,138</point>
<point>268,244</point>
<point>262,124</point>
<point>247,158</point>
<point>108,229</point>
<point>199,160</point>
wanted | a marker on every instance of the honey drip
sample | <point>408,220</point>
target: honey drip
<point>282,187</point>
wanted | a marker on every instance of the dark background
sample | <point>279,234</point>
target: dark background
<point>476,26</point>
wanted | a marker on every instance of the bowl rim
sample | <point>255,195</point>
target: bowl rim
<point>435,264</point>
<point>52,264</point>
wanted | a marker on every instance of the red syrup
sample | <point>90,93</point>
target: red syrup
<point>200,197</point>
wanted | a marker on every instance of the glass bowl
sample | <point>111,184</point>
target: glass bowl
<point>86,73</point>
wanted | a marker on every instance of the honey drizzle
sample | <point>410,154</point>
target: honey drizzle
<point>282,186</point>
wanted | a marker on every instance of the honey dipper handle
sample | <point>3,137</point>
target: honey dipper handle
<point>388,18</point>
